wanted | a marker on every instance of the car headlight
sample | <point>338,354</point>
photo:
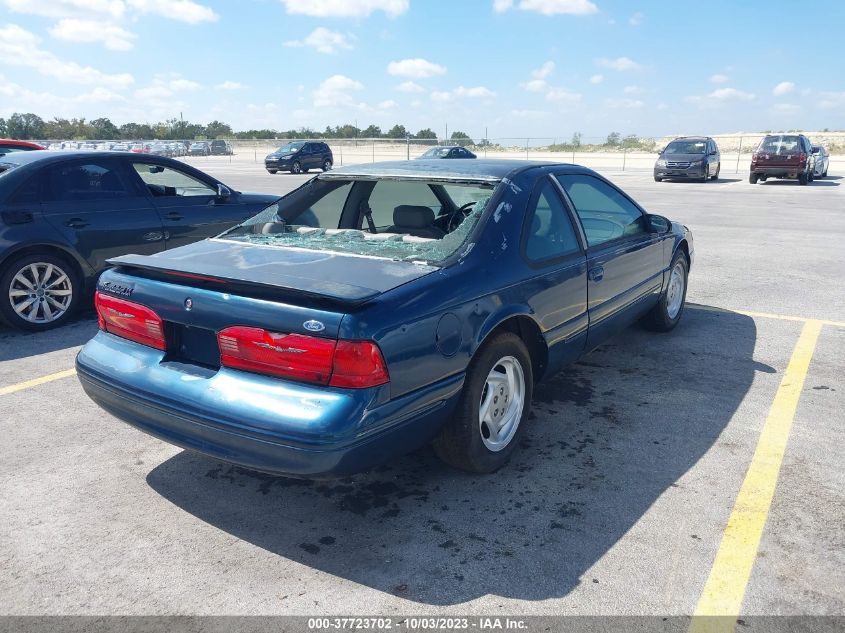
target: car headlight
<point>286,156</point>
<point>695,163</point>
<point>661,162</point>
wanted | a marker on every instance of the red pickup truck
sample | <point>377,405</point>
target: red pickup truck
<point>783,156</point>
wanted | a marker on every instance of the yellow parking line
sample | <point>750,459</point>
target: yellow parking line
<point>5,391</point>
<point>764,315</point>
<point>723,594</point>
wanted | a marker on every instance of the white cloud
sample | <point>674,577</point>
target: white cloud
<point>547,7</point>
<point>619,63</point>
<point>528,114</point>
<point>337,91</point>
<point>720,96</point>
<point>410,87</point>
<point>19,47</point>
<point>387,104</point>
<point>719,78</point>
<point>476,92</point>
<point>68,8</point>
<point>662,106</point>
<point>783,88</point>
<point>323,41</point>
<point>636,19</point>
<point>345,8</point>
<point>627,104</point>
<point>535,85</point>
<point>229,85</point>
<point>786,108</point>
<point>441,96</point>
<point>596,79</point>
<point>832,100</point>
<point>562,96</point>
<point>180,10</point>
<point>113,37</point>
<point>632,90</point>
<point>415,68</point>
<point>161,88</point>
<point>544,71</point>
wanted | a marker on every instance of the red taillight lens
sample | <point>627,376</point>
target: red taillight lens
<point>287,355</point>
<point>802,157</point>
<point>358,364</point>
<point>130,320</point>
<point>355,364</point>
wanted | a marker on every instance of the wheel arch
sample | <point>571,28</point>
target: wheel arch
<point>523,324</point>
<point>81,268</point>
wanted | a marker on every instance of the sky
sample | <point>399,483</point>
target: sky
<point>512,68</point>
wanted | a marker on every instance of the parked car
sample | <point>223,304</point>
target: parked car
<point>120,147</point>
<point>62,215</point>
<point>822,159</point>
<point>300,156</point>
<point>221,148</point>
<point>783,156</point>
<point>689,157</point>
<point>199,148</point>
<point>447,151</point>
<point>7,146</point>
<point>380,307</point>
<point>138,148</point>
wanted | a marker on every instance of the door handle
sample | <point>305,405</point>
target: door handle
<point>596,274</point>
<point>174,215</point>
<point>76,223</point>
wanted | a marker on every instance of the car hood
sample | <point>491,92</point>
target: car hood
<point>682,158</point>
<point>337,276</point>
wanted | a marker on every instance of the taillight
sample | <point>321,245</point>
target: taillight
<point>130,320</point>
<point>322,361</point>
<point>802,157</point>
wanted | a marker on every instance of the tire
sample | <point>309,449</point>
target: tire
<point>656,179</point>
<point>753,178</point>
<point>272,171</point>
<point>824,175</point>
<point>327,165</point>
<point>34,272</point>
<point>296,168</point>
<point>716,175</point>
<point>465,442</point>
<point>706,175</point>
<point>668,312</point>
<point>802,179</point>
<point>811,176</point>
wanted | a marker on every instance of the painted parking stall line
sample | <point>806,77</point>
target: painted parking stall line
<point>721,601</point>
<point>5,391</point>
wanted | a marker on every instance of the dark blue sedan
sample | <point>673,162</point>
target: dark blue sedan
<point>378,308</point>
<point>63,214</point>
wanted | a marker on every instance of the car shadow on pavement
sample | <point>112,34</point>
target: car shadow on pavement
<point>16,344</point>
<point>607,437</point>
<point>786,183</point>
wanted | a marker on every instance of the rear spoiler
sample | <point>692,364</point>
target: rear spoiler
<point>211,276</point>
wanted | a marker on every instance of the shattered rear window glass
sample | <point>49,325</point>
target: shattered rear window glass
<point>423,229</point>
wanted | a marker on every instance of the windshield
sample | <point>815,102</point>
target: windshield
<point>436,152</point>
<point>290,148</point>
<point>396,219</point>
<point>685,147</point>
<point>779,145</point>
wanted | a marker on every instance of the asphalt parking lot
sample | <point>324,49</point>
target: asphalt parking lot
<point>644,481</point>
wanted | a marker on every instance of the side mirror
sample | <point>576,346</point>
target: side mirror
<point>223,192</point>
<point>658,224</point>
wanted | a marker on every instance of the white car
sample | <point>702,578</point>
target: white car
<point>822,161</point>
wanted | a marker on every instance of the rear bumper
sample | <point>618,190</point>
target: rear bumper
<point>780,171</point>
<point>259,422</point>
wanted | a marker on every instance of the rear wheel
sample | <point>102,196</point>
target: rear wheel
<point>753,178</point>
<point>492,409</point>
<point>665,315</point>
<point>39,292</point>
<point>802,179</point>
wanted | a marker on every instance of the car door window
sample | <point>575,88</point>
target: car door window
<point>165,181</point>
<point>85,181</point>
<point>388,194</point>
<point>548,230</point>
<point>605,213</point>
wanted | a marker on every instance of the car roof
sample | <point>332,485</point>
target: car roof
<point>482,170</point>
<point>49,156</point>
<point>692,138</point>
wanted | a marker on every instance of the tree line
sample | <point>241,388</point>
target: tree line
<point>29,126</point>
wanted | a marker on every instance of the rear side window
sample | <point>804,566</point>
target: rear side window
<point>85,181</point>
<point>605,213</point>
<point>549,232</point>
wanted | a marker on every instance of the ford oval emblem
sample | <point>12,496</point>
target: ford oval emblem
<point>189,303</point>
<point>313,326</point>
